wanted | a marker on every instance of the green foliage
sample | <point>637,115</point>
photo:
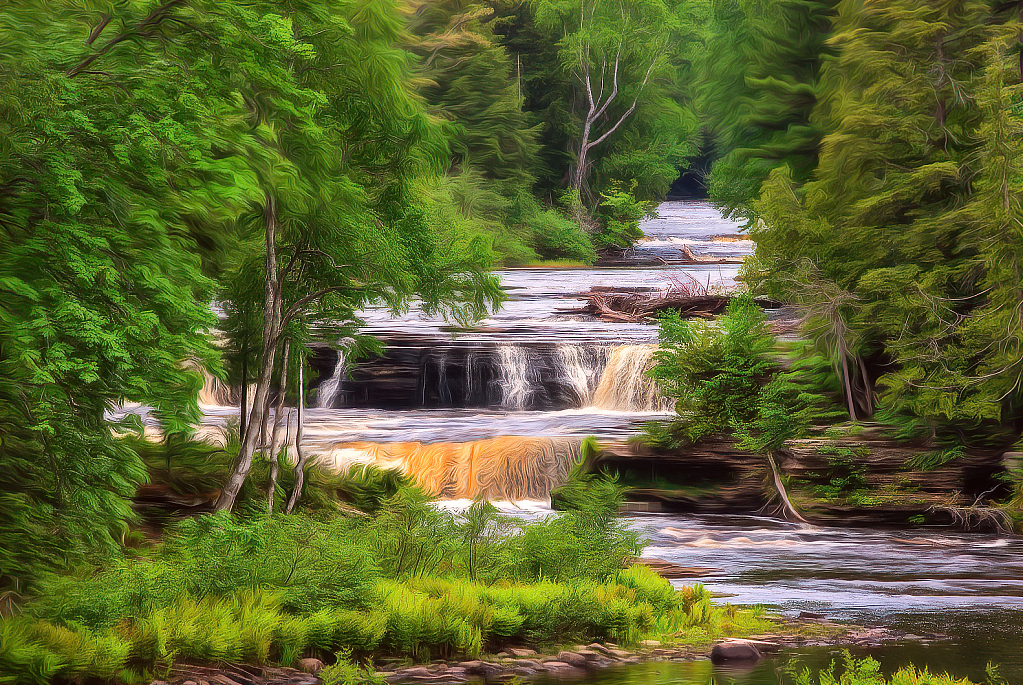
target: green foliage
<point>758,84</point>
<point>726,377</point>
<point>929,461</point>
<point>867,671</point>
<point>902,244</point>
<point>271,589</point>
<point>620,214</point>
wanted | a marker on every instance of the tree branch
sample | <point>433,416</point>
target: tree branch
<point>155,17</point>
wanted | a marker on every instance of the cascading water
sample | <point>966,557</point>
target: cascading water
<point>331,388</point>
<point>502,468</point>
<point>624,385</point>
<point>580,368</point>
<point>519,377</point>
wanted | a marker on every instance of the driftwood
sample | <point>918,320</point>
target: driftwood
<point>636,307</point>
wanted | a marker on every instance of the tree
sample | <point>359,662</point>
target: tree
<point>110,190</point>
<point>474,84</point>
<point>759,84</point>
<point>881,221</point>
<point>613,49</point>
<point>345,137</point>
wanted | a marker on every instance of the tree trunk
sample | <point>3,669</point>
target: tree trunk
<point>296,493</point>
<point>779,486</point>
<point>271,332</point>
<point>275,443</point>
<point>245,391</point>
<point>580,169</point>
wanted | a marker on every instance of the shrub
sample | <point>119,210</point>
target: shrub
<point>620,214</point>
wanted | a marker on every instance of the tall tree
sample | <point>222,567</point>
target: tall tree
<point>333,110</point>
<point>615,50</point>
<point>759,84</point>
<point>108,187</point>
<point>879,224</point>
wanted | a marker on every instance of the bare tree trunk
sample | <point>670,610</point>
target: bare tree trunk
<point>296,493</point>
<point>245,390</point>
<point>271,332</point>
<point>780,487</point>
<point>584,149</point>
<point>846,381</point>
<point>275,443</point>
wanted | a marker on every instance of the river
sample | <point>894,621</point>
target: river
<point>517,394</point>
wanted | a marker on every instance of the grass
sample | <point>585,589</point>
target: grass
<point>407,581</point>
<point>421,618</point>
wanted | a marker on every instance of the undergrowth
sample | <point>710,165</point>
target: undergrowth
<point>411,581</point>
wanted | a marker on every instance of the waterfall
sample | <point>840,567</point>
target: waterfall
<point>331,388</point>
<point>502,468</point>
<point>580,370</point>
<point>519,379</point>
<point>624,385</point>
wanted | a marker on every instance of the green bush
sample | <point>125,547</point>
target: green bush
<point>726,377</point>
<point>620,213</point>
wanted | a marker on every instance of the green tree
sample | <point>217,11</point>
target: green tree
<point>876,245</point>
<point>110,188</point>
<point>614,50</point>
<point>758,86</point>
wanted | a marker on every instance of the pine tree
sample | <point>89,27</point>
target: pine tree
<point>874,245</point>
<point>760,85</point>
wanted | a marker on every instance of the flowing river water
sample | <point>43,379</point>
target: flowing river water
<point>501,409</point>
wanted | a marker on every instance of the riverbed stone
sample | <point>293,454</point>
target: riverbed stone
<point>649,644</point>
<point>521,652</point>
<point>310,665</point>
<point>620,653</point>
<point>735,650</point>
<point>529,663</point>
<point>483,668</point>
<point>573,658</point>
<point>597,647</point>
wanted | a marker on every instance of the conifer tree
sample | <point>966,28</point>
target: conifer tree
<point>875,240</point>
<point>760,77</point>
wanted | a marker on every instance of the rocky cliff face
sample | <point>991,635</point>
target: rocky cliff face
<point>863,479</point>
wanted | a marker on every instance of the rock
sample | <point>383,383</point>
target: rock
<point>483,668</point>
<point>589,654</point>
<point>310,665</point>
<point>524,671</point>
<point>529,663</point>
<point>735,650</point>
<point>521,652</point>
<point>503,655</point>
<point>572,658</point>
<point>620,653</point>
<point>557,666</point>
<point>415,672</point>
<point>810,615</point>
<point>597,647</point>
<point>650,643</point>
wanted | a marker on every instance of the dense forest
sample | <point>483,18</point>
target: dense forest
<point>219,184</point>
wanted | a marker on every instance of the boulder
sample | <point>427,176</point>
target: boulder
<point>589,654</point>
<point>529,663</point>
<point>415,672</point>
<point>310,665</point>
<point>572,658</point>
<point>735,650</point>
<point>483,668</point>
<point>597,647</point>
<point>650,644</point>
<point>521,652</point>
